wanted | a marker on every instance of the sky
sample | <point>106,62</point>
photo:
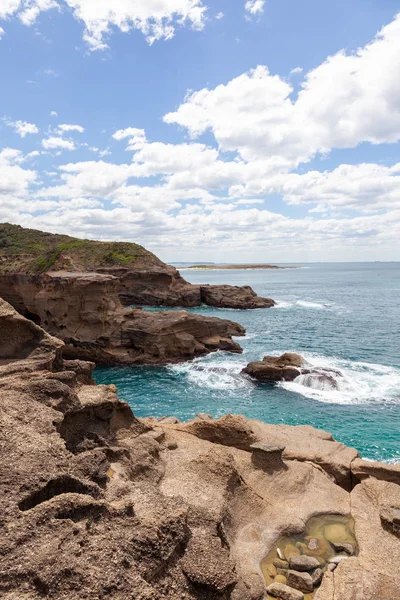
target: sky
<point>205,130</point>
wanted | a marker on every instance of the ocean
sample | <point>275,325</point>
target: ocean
<point>343,316</point>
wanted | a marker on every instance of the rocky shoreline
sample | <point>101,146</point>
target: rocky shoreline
<point>99,504</point>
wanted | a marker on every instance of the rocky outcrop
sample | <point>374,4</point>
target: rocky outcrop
<point>143,279</point>
<point>83,309</point>
<point>290,366</point>
<point>99,504</point>
<point>230,296</point>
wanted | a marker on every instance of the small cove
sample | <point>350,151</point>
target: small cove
<point>342,316</point>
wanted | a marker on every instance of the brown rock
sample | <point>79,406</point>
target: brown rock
<point>300,581</point>
<point>304,563</point>
<point>280,590</point>
<point>84,310</point>
<point>229,296</point>
<point>272,369</point>
<point>362,469</point>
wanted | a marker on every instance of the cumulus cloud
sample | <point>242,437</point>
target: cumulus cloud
<point>13,178</point>
<point>255,114</point>
<point>2,33</point>
<point>199,194</point>
<point>57,143</point>
<point>23,128</point>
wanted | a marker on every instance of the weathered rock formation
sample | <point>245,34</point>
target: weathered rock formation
<point>289,367</point>
<point>143,279</point>
<point>83,309</point>
<point>98,504</point>
<point>230,296</point>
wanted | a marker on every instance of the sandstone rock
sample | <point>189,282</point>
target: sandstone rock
<point>280,590</point>
<point>230,430</point>
<point>300,581</point>
<point>361,469</point>
<point>272,369</point>
<point>267,457</point>
<point>304,563</point>
<point>343,547</point>
<point>207,565</point>
<point>84,310</point>
<point>281,564</point>
<point>317,576</point>
<point>229,296</point>
<point>390,518</point>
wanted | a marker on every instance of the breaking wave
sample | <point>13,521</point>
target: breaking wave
<point>356,382</point>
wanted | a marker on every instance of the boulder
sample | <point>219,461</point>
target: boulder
<point>280,590</point>
<point>300,581</point>
<point>230,296</point>
<point>304,563</point>
<point>273,369</point>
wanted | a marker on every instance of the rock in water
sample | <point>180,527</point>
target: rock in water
<point>304,563</point>
<point>230,296</point>
<point>293,367</point>
<point>300,581</point>
<point>272,368</point>
<point>280,590</point>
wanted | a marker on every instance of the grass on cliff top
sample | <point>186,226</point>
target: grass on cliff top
<point>47,250</point>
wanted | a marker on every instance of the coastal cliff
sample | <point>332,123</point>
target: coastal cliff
<point>143,279</point>
<point>84,310</point>
<point>99,504</point>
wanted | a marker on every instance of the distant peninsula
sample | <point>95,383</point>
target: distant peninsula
<point>236,267</point>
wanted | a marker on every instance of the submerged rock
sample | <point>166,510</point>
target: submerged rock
<point>304,563</point>
<point>280,590</point>
<point>300,580</point>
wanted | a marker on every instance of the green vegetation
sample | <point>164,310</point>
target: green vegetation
<point>37,252</point>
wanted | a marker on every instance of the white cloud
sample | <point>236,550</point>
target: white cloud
<point>255,115</point>
<point>219,16</point>
<point>13,178</point>
<point>23,128</point>
<point>296,71</point>
<point>2,33</point>
<point>53,113</point>
<point>254,7</point>
<point>67,128</point>
<point>53,143</point>
<point>156,19</point>
<point>29,10</point>
<point>137,137</point>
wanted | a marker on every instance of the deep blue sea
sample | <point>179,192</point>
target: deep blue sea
<point>345,316</point>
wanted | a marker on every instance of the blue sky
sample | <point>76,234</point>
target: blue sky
<point>225,130</point>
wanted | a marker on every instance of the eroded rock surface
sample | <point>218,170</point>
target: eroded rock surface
<point>83,309</point>
<point>99,504</point>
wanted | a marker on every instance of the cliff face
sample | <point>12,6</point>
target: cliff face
<point>99,504</point>
<point>83,309</point>
<point>143,279</point>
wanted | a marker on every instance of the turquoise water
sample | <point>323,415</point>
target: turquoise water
<point>345,316</point>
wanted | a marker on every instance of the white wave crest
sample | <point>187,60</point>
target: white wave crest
<point>358,382</point>
<point>216,373</point>
<point>305,304</point>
